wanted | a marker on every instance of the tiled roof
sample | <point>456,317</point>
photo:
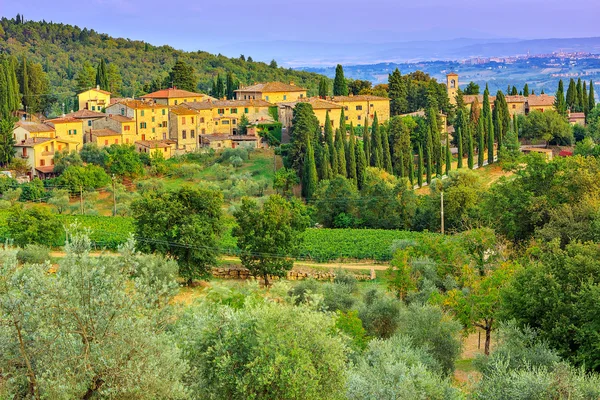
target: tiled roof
<point>271,87</point>
<point>183,110</point>
<point>119,118</point>
<point>96,90</point>
<point>138,104</point>
<point>29,142</point>
<point>33,127</point>
<point>210,104</point>
<point>172,93</point>
<point>63,120</point>
<point>578,115</point>
<point>452,74</point>
<point>45,169</point>
<point>104,132</point>
<point>85,114</point>
<point>315,102</point>
<point>515,99</point>
<point>154,143</point>
<point>540,100</point>
<point>221,137</point>
<point>360,97</point>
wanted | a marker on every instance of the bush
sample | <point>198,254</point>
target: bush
<point>33,254</point>
<point>33,225</point>
<point>338,297</point>
<point>304,291</point>
<point>187,171</point>
<point>32,191</point>
<point>228,154</point>
<point>379,314</point>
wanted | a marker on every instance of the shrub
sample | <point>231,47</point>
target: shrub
<point>33,254</point>
<point>379,314</point>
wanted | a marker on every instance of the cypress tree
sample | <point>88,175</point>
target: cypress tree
<point>310,173</point>
<point>340,86</point>
<point>591,97</point>
<point>328,131</point>
<point>420,167</point>
<point>387,156</point>
<point>470,148</point>
<point>376,145</point>
<point>460,148</point>
<point>584,100</point>
<point>516,130</point>
<point>334,162</point>
<point>25,82</point>
<point>490,141</point>
<point>579,96</point>
<point>367,140</point>
<point>448,153</point>
<point>102,75</point>
<point>514,91</point>
<point>435,137</point>
<point>229,86</point>
<point>428,151</point>
<point>526,90</point>
<point>559,99</point>
<point>400,167</point>
<point>4,93</point>
<point>343,122</point>
<point>361,165</point>
<point>411,168</point>
<point>16,101</point>
<point>351,158</point>
<point>481,146</point>
<point>323,88</point>
<point>326,172</point>
<point>341,153</point>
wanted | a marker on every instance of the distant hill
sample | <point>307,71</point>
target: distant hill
<point>63,49</point>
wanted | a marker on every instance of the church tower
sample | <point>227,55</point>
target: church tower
<point>452,85</point>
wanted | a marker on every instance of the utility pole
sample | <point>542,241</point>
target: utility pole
<point>442,210</point>
<point>81,198</point>
<point>114,193</point>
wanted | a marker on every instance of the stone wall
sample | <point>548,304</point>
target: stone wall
<point>238,272</point>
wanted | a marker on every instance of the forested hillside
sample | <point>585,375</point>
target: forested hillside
<point>64,51</point>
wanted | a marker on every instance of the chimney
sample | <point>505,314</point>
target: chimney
<point>97,87</point>
<point>34,139</point>
<point>292,83</point>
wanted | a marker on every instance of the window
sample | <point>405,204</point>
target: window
<point>191,120</point>
<point>246,110</point>
<point>46,149</point>
<point>358,108</point>
<point>74,131</point>
<point>153,130</point>
<point>514,106</point>
<point>127,141</point>
<point>192,133</point>
<point>201,120</point>
<point>371,105</point>
<point>234,121</point>
<point>216,122</point>
<point>93,108</point>
<point>221,111</point>
<point>42,163</point>
<point>153,119</point>
<point>59,147</point>
<point>345,108</point>
<point>106,142</point>
<point>225,122</point>
<point>175,102</point>
<point>90,122</point>
<point>116,141</point>
<point>142,113</point>
<point>301,95</point>
<point>164,136</point>
<point>183,134</point>
<point>233,111</point>
<point>359,117</point>
<point>182,120</point>
<point>285,97</point>
<point>142,125</point>
<point>163,111</point>
<point>267,98</point>
<point>346,118</point>
<point>126,127</point>
<point>122,111</point>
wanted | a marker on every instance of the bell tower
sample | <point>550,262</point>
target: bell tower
<point>452,86</point>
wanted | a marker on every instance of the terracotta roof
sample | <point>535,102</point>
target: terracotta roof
<point>85,114</point>
<point>183,110</point>
<point>360,97</point>
<point>315,102</point>
<point>63,120</point>
<point>45,169</point>
<point>172,93</point>
<point>96,90</point>
<point>137,104</point>
<point>33,127</point>
<point>210,104</point>
<point>540,100</point>
<point>30,142</point>
<point>221,137</point>
<point>243,138</point>
<point>515,99</point>
<point>452,74</point>
<point>119,118</point>
<point>577,115</point>
<point>104,132</point>
<point>271,87</point>
<point>419,113</point>
<point>154,143</point>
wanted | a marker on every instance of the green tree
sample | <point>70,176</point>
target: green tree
<point>460,149</point>
<point>115,81</point>
<point>472,89</point>
<point>183,76</point>
<point>526,90</point>
<point>387,156</point>
<point>243,125</point>
<point>341,153</point>
<point>420,167</point>
<point>86,77</point>
<point>304,126</point>
<point>591,97</point>
<point>548,126</point>
<point>33,225</point>
<point>376,144</point>
<point>429,155</point>
<point>64,159</point>
<point>325,167</point>
<point>268,238</point>
<point>481,144</point>
<point>351,156</point>
<point>490,141</point>
<point>230,86</point>
<point>366,140</point>
<point>7,141</point>
<point>59,199</point>
<point>397,93</point>
<point>333,198</point>
<point>310,177</point>
<point>284,181</point>
<point>578,96</point>
<point>323,88</point>
<point>123,160</point>
<point>470,149</point>
<point>102,75</point>
<point>340,86</point>
<point>183,224</point>
<point>560,104</point>
<point>432,120</point>
<point>77,178</point>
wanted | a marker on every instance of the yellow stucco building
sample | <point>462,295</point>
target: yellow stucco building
<point>452,86</point>
<point>68,128</point>
<point>273,92</point>
<point>25,130</point>
<point>155,147</point>
<point>519,105</point>
<point>94,99</point>
<point>174,96</point>
<point>183,127</point>
<point>39,153</point>
<point>320,107</point>
<point>151,119</point>
<point>122,125</point>
<point>222,116</point>
<point>358,108</point>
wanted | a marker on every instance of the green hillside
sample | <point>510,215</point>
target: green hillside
<point>63,50</point>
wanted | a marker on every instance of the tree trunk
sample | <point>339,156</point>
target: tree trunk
<point>488,334</point>
<point>266,278</point>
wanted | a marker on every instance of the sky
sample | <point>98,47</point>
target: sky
<point>219,26</point>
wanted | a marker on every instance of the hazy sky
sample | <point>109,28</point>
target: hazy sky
<point>207,25</point>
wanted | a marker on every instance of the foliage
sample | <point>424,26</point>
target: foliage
<point>184,224</point>
<point>549,126</point>
<point>380,314</point>
<point>64,159</point>
<point>78,178</point>
<point>33,225</point>
<point>268,239</point>
<point>262,351</point>
<point>285,180</point>
<point>122,160</point>
<point>33,254</point>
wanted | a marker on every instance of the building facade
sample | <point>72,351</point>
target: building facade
<point>174,96</point>
<point>94,99</point>
<point>360,108</point>
<point>272,92</point>
<point>151,119</point>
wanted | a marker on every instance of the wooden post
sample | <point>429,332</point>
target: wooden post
<point>442,211</point>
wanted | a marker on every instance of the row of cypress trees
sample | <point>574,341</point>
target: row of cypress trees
<point>577,99</point>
